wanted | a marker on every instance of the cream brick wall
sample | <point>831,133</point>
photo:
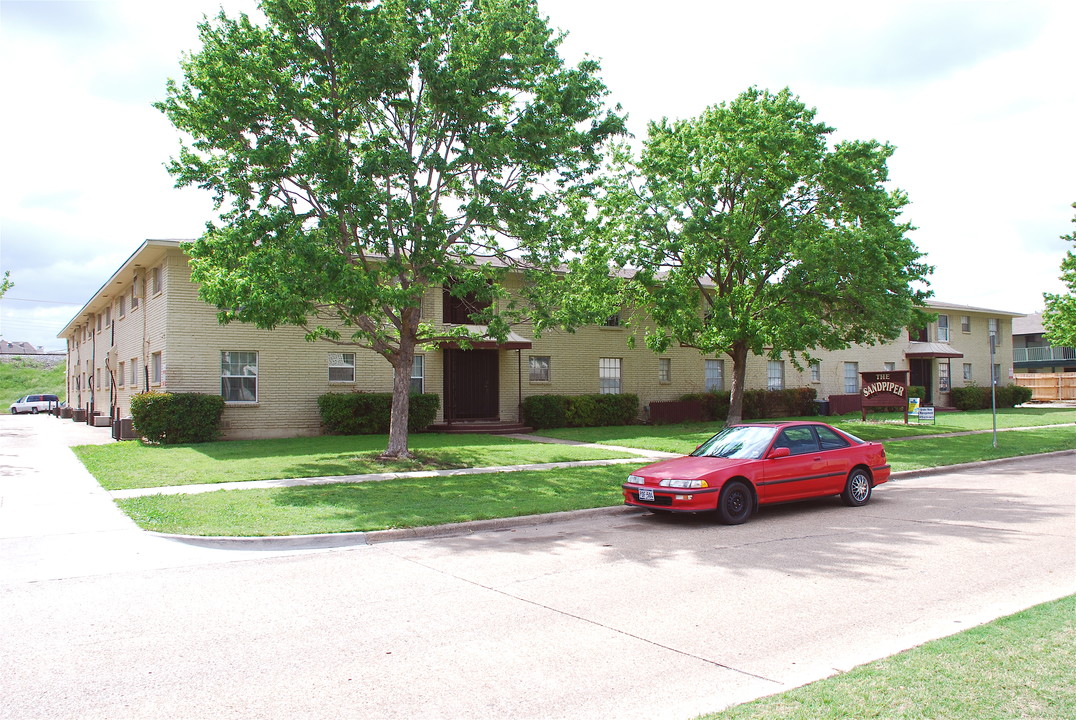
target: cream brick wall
<point>292,372</point>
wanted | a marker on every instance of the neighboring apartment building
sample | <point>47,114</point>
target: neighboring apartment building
<point>146,329</point>
<point>1032,353</point>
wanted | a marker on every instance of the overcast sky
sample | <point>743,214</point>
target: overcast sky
<point>978,97</point>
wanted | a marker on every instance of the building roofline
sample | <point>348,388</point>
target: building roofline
<point>938,305</point>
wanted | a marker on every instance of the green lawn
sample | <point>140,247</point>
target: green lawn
<point>914,454</point>
<point>379,505</point>
<point>1020,666</point>
<point>20,377</point>
<point>125,465</point>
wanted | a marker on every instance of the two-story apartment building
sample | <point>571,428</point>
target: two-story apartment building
<point>146,329</point>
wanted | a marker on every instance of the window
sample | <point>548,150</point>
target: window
<point>239,376</point>
<point>418,374</point>
<point>715,375</point>
<point>997,374</point>
<point>155,368</point>
<point>828,439</point>
<point>155,280</point>
<point>992,326</point>
<point>851,377</point>
<point>609,376</point>
<point>342,367</point>
<point>121,375</point>
<point>136,292</point>
<point>664,370</point>
<point>917,334</point>
<point>943,328</point>
<point>134,371</point>
<point>539,368</point>
<point>458,310</point>
<point>889,366</point>
<point>122,303</point>
<point>775,375</point>
<point>943,375</point>
<point>816,371</point>
<point>798,440</point>
<point>967,372</point>
<point>99,319</point>
<point>613,320</point>
<point>965,323</point>
<point>98,378</point>
<point>108,315</point>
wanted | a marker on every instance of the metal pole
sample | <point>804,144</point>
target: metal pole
<point>993,388</point>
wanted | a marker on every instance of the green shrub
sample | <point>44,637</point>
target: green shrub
<point>757,404</point>
<point>369,413</point>
<point>549,411</point>
<point>917,391</point>
<point>715,403</point>
<point>970,397</point>
<point>175,418</point>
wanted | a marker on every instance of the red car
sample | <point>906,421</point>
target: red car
<point>745,466</point>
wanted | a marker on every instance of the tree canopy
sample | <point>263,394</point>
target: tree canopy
<point>367,152</point>
<point>1059,319</point>
<point>747,232</point>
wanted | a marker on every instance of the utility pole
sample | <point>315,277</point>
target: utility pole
<point>994,387</point>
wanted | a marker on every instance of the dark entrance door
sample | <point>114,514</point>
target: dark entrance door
<point>474,387</point>
<point>920,375</point>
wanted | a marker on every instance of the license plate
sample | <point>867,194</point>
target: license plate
<point>646,494</point>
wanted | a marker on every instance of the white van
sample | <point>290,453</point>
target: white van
<point>34,404</point>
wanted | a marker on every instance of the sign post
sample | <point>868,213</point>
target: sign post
<point>994,387</point>
<point>885,389</point>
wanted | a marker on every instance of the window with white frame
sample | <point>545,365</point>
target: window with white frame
<point>539,368</point>
<point>239,376</point>
<point>992,326</point>
<point>664,370</point>
<point>943,328</point>
<point>816,371</point>
<point>121,304</point>
<point>967,372</point>
<point>889,366</point>
<point>965,323</point>
<point>715,375</point>
<point>108,316</point>
<point>418,374</point>
<point>134,371</point>
<point>100,318</point>
<point>851,377</point>
<point>775,375</point>
<point>341,367</point>
<point>155,280</point>
<point>155,368</point>
<point>121,375</point>
<point>98,378</point>
<point>943,375</point>
<point>609,376</point>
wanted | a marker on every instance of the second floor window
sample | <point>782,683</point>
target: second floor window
<point>943,328</point>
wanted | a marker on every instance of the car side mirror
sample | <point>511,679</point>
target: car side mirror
<point>780,453</point>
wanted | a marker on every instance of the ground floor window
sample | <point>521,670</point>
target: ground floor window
<point>664,370</point>
<point>889,366</point>
<point>943,376</point>
<point>342,367</point>
<point>816,371</point>
<point>134,371</point>
<point>155,368</point>
<point>715,375</point>
<point>775,375</point>
<point>967,372</point>
<point>239,376</point>
<point>851,377</point>
<point>418,374</point>
<point>609,376</point>
<point>539,371</point>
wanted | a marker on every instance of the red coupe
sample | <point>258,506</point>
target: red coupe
<point>745,466</point>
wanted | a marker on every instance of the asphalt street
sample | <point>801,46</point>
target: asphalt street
<point>625,615</point>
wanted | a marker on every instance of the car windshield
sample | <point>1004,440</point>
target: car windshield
<point>739,442</point>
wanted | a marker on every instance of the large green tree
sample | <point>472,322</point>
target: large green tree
<point>747,232</point>
<point>1059,319</point>
<point>367,152</point>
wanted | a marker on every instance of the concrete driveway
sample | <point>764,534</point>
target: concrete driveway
<point>623,616</point>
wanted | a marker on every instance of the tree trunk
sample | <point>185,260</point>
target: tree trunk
<point>401,404</point>
<point>739,379</point>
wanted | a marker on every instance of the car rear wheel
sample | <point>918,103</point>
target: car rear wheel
<point>857,491</point>
<point>734,505</point>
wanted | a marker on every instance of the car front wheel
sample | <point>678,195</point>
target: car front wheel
<point>857,491</point>
<point>734,505</point>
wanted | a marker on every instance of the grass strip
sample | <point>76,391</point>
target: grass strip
<point>1019,666</point>
<point>126,465</point>
<point>399,503</point>
<point>936,452</point>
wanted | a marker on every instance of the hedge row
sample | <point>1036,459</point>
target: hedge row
<point>173,418</point>
<point>369,413</point>
<point>758,404</point>
<point>974,397</point>
<point>551,411</point>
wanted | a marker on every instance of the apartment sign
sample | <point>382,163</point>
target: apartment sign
<point>887,389</point>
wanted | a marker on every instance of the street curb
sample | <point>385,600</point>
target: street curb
<point>372,537</point>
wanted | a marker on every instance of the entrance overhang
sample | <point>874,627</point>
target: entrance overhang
<point>514,341</point>
<point>931,350</point>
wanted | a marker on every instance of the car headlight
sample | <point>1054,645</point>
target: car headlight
<point>677,483</point>
<point>636,480</point>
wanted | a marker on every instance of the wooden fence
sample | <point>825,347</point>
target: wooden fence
<point>1046,387</point>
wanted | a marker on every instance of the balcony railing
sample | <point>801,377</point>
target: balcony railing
<point>1040,354</point>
